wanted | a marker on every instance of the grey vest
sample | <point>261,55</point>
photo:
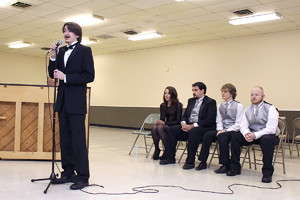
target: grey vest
<point>195,112</point>
<point>229,117</point>
<point>259,122</point>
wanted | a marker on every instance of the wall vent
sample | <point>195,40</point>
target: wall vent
<point>130,32</point>
<point>105,36</point>
<point>21,5</point>
<point>243,12</point>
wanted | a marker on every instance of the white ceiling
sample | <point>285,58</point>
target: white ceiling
<point>181,22</point>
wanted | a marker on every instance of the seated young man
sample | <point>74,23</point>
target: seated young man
<point>229,116</point>
<point>259,126</point>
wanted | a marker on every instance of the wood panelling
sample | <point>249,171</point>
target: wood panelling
<point>7,126</point>
<point>26,117</point>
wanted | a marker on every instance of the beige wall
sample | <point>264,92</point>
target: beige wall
<point>21,69</point>
<point>138,78</point>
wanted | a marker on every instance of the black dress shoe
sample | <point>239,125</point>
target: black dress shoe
<point>64,179</point>
<point>163,157</point>
<point>223,169</point>
<point>233,172</point>
<point>188,166</point>
<point>266,179</point>
<point>167,161</point>
<point>78,185</point>
<point>156,154</point>
<point>201,166</point>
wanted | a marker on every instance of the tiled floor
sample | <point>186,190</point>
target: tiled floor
<point>112,167</point>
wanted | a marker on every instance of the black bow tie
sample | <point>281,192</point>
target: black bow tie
<point>70,47</point>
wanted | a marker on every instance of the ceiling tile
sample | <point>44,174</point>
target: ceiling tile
<point>145,4</point>
<point>95,5</point>
<point>181,22</point>
<point>43,10</point>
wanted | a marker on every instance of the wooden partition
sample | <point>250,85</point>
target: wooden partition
<point>26,122</point>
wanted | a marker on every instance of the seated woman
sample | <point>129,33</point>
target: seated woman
<point>170,115</point>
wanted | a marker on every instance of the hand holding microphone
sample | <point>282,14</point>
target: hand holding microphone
<point>58,74</point>
<point>54,47</point>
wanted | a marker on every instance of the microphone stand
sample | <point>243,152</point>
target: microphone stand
<point>52,176</point>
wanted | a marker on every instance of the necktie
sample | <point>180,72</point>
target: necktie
<point>226,107</point>
<point>256,108</point>
<point>197,103</point>
<point>195,112</point>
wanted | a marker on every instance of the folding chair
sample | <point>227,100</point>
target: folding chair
<point>247,156</point>
<point>150,120</point>
<point>280,148</point>
<point>184,149</point>
<point>296,134</point>
<point>215,153</point>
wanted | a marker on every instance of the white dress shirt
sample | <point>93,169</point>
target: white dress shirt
<point>239,116</point>
<point>271,125</point>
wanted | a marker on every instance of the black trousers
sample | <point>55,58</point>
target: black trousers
<point>267,144</point>
<point>193,138</point>
<point>208,138</point>
<point>74,156</point>
<point>223,141</point>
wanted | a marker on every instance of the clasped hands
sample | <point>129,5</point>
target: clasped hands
<point>249,137</point>
<point>186,128</point>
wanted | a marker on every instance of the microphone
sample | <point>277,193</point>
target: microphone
<point>59,42</point>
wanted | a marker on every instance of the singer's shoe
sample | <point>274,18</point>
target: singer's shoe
<point>64,179</point>
<point>79,185</point>
<point>266,179</point>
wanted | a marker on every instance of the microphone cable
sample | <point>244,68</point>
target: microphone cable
<point>154,188</point>
<point>49,109</point>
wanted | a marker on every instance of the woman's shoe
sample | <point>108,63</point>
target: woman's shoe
<point>156,154</point>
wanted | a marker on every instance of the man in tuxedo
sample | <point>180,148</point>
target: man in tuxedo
<point>73,65</point>
<point>198,118</point>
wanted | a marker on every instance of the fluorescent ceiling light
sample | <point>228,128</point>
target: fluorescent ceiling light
<point>145,36</point>
<point>86,41</point>
<point>3,2</point>
<point>255,18</point>
<point>19,44</point>
<point>86,20</point>
<point>179,0</point>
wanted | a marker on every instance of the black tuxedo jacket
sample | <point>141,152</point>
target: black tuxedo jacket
<point>79,71</point>
<point>207,113</point>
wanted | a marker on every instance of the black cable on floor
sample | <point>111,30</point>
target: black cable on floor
<point>150,188</point>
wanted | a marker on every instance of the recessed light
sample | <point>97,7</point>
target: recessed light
<point>86,20</point>
<point>145,36</point>
<point>19,44</point>
<point>255,18</point>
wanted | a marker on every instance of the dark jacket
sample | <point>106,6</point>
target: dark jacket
<point>79,71</point>
<point>207,113</point>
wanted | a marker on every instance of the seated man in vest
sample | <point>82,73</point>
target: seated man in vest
<point>259,126</point>
<point>229,115</point>
<point>198,118</point>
